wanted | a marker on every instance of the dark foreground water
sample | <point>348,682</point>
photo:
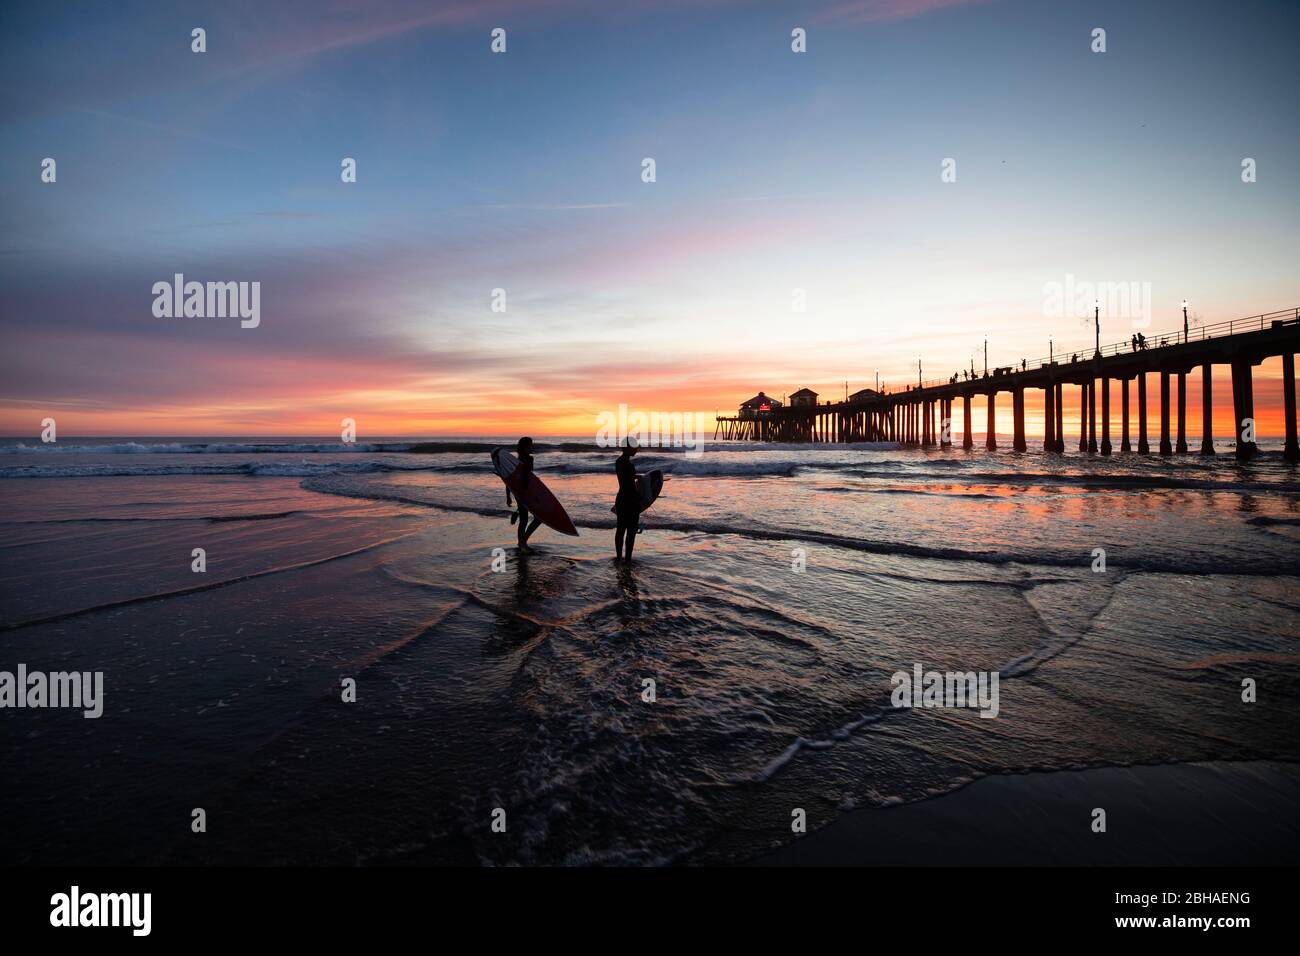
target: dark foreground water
<point>524,689</point>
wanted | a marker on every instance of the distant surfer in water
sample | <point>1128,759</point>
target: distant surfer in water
<point>524,452</point>
<point>627,505</point>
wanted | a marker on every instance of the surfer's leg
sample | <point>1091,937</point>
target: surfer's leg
<point>531,528</point>
<point>522,516</point>
<point>625,536</point>
<point>619,531</point>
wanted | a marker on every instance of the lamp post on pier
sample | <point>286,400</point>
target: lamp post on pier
<point>1185,338</point>
<point>1096,320</point>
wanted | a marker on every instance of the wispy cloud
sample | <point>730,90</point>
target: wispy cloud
<point>285,37</point>
<point>552,207</point>
<point>889,11</point>
<point>161,128</point>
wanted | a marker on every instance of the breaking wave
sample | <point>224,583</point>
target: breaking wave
<point>205,448</point>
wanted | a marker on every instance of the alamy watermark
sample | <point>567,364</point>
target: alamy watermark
<point>1130,301</point>
<point>210,300</point>
<point>77,909</point>
<point>975,689</point>
<point>684,430</point>
<point>79,690</point>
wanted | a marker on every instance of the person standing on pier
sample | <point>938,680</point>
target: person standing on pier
<point>627,504</point>
<point>524,452</point>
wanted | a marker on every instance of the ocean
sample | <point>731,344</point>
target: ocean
<point>682,709</point>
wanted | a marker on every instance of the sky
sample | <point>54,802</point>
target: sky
<point>780,178</point>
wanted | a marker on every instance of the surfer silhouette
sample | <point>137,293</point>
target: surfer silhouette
<point>627,504</point>
<point>524,451</point>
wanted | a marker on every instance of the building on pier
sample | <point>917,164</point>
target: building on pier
<point>759,406</point>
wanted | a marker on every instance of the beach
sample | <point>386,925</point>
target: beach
<point>776,591</point>
<point>1194,814</point>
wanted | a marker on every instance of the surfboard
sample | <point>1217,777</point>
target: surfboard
<point>648,487</point>
<point>538,498</point>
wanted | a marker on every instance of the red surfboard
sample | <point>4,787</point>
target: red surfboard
<point>537,498</point>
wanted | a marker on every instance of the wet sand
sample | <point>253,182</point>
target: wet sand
<point>1200,814</point>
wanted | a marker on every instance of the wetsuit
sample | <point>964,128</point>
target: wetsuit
<point>627,506</point>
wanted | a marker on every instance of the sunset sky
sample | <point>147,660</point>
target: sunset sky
<point>776,171</point>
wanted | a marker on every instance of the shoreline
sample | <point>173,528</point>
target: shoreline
<point>1216,813</point>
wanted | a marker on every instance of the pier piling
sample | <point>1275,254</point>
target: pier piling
<point>1049,418</point>
<point>1060,418</point>
<point>1164,413</point>
<point>1083,417</point>
<point>1207,409</point>
<point>1092,416</point>
<point>1124,445</point>
<point>1243,404</point>
<point>1291,451</point>
<point>990,440</point>
<point>1018,413</point>
<point>1181,446</point>
<point>1143,447</point>
<point>1105,416</point>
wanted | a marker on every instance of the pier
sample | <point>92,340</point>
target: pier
<point>922,414</point>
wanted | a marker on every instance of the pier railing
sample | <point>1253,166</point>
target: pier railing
<point>1196,333</point>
